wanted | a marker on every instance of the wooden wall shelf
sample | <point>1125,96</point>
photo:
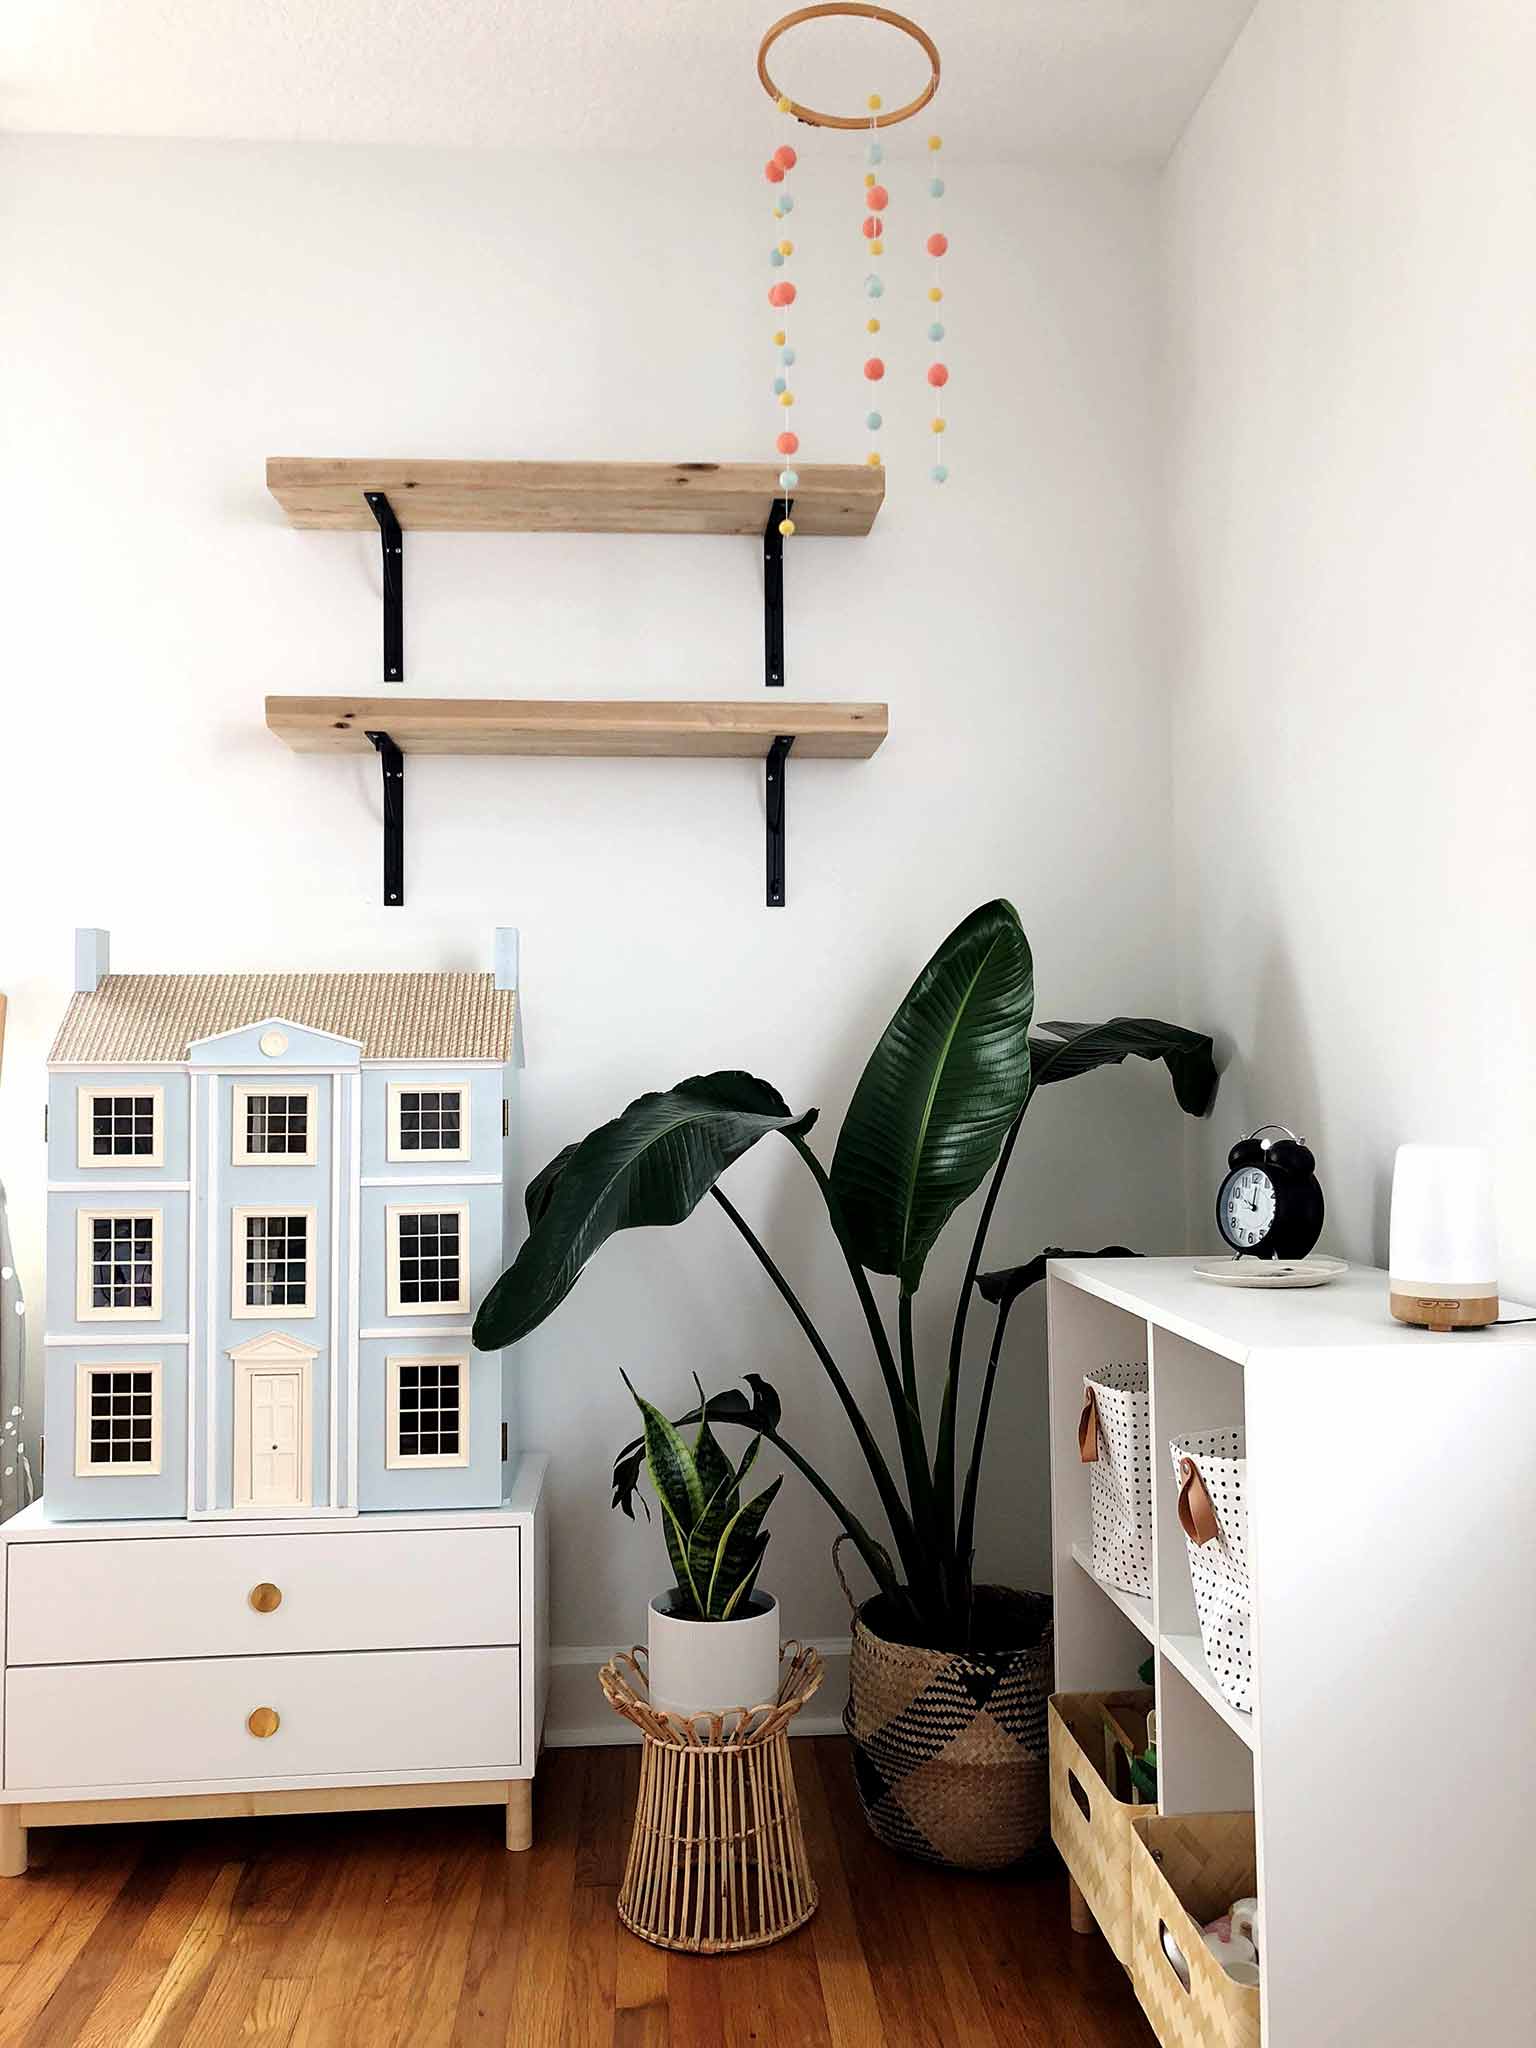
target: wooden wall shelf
<point>519,725</point>
<point>331,492</point>
<point>765,729</point>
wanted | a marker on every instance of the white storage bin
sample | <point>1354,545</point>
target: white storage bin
<point>1114,1441</point>
<point>1213,1512</point>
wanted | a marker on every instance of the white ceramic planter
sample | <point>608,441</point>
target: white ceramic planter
<point>700,1666</point>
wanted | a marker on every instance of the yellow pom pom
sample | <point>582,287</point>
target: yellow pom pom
<point>935,142</point>
<point>873,103</point>
<point>786,527</point>
<point>873,458</point>
<point>778,337</point>
<point>778,213</point>
<point>783,103</point>
<point>937,425</point>
<point>869,179</point>
<point>786,248</point>
<point>871,326</point>
<point>786,398</point>
<point>934,293</point>
<point>877,247</point>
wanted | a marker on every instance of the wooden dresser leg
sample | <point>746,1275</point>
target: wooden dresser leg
<point>1083,1921</point>
<point>13,1843</point>
<point>520,1813</point>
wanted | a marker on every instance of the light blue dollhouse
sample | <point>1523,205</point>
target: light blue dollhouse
<point>274,1201</point>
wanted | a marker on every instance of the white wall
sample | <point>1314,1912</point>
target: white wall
<point>1351,303</point>
<point>173,313</point>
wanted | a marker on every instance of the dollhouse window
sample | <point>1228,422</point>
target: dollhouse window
<point>428,1413</point>
<point>274,1262</point>
<point>117,1420</point>
<point>427,1259</point>
<point>121,1127</point>
<point>427,1123</point>
<point>273,1127</point>
<point>117,1266</point>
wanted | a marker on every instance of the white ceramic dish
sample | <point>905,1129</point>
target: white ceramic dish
<point>1229,1272</point>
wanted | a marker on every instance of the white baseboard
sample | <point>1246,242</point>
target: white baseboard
<point>579,1717</point>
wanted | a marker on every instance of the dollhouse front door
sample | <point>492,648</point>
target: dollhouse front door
<point>271,1435</point>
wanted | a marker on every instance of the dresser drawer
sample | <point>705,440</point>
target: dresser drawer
<point>395,1711</point>
<point>229,1596</point>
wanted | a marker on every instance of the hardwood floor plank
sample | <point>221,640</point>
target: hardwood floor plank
<point>164,2019</point>
<point>536,2015</point>
<point>591,1965</point>
<point>494,1959</point>
<point>847,1990</point>
<point>444,1953</point>
<point>358,1910</point>
<point>641,2018</point>
<point>132,1985</point>
<point>63,2018</point>
<point>39,1974</point>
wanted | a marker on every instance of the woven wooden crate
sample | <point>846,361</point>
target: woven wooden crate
<point>1096,1845</point>
<point>1186,1871</point>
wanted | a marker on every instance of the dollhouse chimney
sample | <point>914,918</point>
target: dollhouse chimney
<point>91,959</point>
<point>505,955</point>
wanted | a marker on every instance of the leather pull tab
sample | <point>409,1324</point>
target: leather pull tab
<point>1088,1430</point>
<point>1197,1518</point>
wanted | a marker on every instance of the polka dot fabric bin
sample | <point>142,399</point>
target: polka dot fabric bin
<point>1219,1568</point>
<point>1120,1478</point>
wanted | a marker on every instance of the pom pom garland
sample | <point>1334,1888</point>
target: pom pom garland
<point>936,331</point>
<point>781,294</point>
<point>773,172</point>
<point>937,375</point>
<point>788,478</point>
<point>785,157</point>
<point>871,224</point>
<point>877,247</point>
<point>877,199</point>
<point>936,245</point>
<point>873,421</point>
<point>786,527</point>
<point>788,444</point>
<point>874,370</point>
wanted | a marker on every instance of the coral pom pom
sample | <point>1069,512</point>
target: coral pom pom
<point>871,225</point>
<point>937,244</point>
<point>877,199</point>
<point>874,370</point>
<point>937,374</point>
<point>773,172</point>
<point>788,444</point>
<point>781,294</point>
<point>785,157</point>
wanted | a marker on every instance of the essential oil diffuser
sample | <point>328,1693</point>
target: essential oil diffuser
<point>1444,1250</point>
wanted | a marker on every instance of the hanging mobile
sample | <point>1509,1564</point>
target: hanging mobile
<point>876,201</point>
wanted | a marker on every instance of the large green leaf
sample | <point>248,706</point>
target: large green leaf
<point>653,1164</point>
<point>941,1088</point>
<point>740,1553</point>
<point>1074,1049</point>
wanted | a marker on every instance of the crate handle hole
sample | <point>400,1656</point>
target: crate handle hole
<point>1079,1794</point>
<point>1165,1941</point>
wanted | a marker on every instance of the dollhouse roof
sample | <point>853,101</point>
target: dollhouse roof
<point>135,1017</point>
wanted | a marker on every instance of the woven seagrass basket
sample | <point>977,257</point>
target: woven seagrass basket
<point>950,1750</point>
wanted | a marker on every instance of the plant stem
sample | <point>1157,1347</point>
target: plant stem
<point>895,1510</point>
<point>944,1452</point>
<point>966,1538</point>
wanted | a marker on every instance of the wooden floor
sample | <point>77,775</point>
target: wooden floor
<point>420,1931</point>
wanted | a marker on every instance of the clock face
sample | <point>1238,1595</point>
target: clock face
<point>1247,1207</point>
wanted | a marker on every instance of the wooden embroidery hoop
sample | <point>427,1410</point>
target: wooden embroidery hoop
<point>828,8</point>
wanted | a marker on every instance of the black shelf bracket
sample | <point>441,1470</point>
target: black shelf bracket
<point>392,763</point>
<point>394,585</point>
<point>778,754</point>
<point>773,594</point>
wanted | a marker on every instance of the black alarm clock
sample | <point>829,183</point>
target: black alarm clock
<point>1270,1205</point>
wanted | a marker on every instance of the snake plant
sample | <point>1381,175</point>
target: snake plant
<point>938,1110</point>
<point>715,1541</point>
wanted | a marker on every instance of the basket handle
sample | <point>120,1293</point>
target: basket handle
<point>838,1542</point>
<point>1197,1517</point>
<point>1088,1429</point>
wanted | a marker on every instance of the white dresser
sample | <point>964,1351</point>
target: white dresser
<point>1391,1493</point>
<point>171,1670</point>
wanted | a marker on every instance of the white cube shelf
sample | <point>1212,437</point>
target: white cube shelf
<point>1392,1541</point>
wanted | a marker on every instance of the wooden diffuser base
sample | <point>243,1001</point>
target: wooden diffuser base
<point>1445,1312</point>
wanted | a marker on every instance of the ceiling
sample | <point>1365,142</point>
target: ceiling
<point>1087,80</point>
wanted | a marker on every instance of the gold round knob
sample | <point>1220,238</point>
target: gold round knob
<point>266,1597</point>
<point>262,1721</point>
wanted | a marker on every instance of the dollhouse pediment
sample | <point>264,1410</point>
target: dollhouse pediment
<point>273,1347</point>
<point>274,1042</point>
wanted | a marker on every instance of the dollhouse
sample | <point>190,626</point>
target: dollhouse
<point>289,1555</point>
<point>274,1200</point>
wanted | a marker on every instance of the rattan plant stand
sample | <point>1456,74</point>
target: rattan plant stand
<point>717,1859</point>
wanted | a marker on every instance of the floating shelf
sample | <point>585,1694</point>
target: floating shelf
<point>332,492</point>
<point>763,730</point>
<point>519,725</point>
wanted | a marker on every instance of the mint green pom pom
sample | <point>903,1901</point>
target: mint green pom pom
<point>779,385</point>
<point>936,331</point>
<point>874,154</point>
<point>936,189</point>
<point>786,202</point>
<point>788,478</point>
<point>873,288</point>
<point>776,258</point>
<point>872,421</point>
<point>786,355</point>
<point>939,473</point>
